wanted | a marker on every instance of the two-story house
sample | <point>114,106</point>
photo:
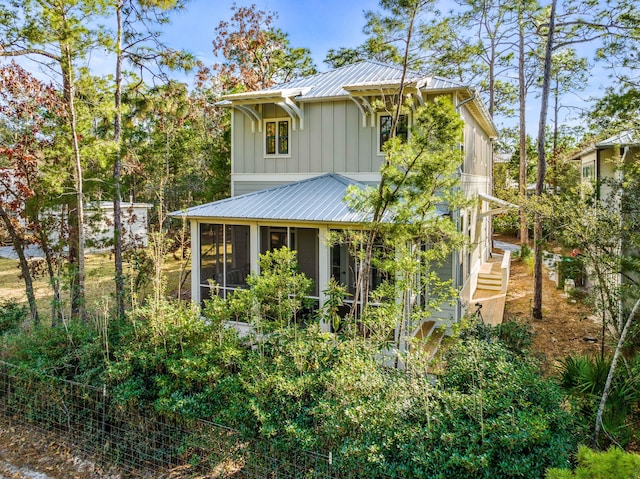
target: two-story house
<point>298,146</point>
<point>599,162</point>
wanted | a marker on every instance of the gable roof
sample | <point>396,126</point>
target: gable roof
<point>339,82</point>
<point>318,199</point>
<point>624,138</point>
<point>365,77</point>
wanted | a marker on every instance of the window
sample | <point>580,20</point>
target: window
<point>384,126</point>
<point>224,258</point>
<point>303,240</point>
<point>276,137</point>
<point>589,171</point>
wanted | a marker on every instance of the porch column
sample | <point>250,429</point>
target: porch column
<point>254,241</point>
<point>195,261</point>
<point>324,269</point>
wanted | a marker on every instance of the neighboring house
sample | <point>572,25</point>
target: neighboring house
<point>600,167</point>
<point>598,161</point>
<point>297,147</point>
<point>99,224</point>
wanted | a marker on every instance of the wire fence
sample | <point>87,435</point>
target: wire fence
<point>148,445</point>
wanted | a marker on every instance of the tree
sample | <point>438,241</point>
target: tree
<point>137,43</point>
<point>27,107</point>
<point>578,23</point>
<point>61,34</point>
<point>257,55</point>
<point>568,74</point>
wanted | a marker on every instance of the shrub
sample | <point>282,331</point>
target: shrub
<point>583,379</point>
<point>611,464</point>
<point>12,315</point>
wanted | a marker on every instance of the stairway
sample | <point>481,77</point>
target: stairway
<point>429,336</point>
<point>490,277</point>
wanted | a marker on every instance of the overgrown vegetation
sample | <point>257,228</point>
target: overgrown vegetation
<point>299,387</point>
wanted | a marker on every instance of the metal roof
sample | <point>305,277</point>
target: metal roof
<point>318,199</point>
<point>362,77</point>
<point>624,138</point>
<point>363,74</point>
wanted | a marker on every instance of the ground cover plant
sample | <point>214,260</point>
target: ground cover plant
<point>296,387</point>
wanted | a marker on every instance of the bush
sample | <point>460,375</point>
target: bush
<point>12,315</point>
<point>611,464</point>
<point>74,352</point>
<point>516,335</point>
<point>583,379</point>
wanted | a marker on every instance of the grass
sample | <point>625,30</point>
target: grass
<point>99,283</point>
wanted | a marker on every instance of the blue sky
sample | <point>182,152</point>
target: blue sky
<point>318,25</point>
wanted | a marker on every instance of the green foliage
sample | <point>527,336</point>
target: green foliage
<point>277,296</point>
<point>12,315</point>
<point>504,409</point>
<point>583,379</point>
<point>611,464</point>
<point>171,360</point>
<point>516,335</point>
<point>73,351</point>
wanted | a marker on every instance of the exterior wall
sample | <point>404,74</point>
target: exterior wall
<point>448,312</point>
<point>606,169</point>
<point>333,141</point>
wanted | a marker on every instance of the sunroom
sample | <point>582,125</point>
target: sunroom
<point>229,235</point>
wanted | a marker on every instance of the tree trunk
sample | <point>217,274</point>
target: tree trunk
<point>117,195</point>
<point>54,280</point>
<point>78,296</point>
<point>18,246</point>
<point>612,369</point>
<point>538,232</point>
<point>522,179</point>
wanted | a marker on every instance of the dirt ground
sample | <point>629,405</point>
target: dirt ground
<point>26,453</point>
<point>567,327</point>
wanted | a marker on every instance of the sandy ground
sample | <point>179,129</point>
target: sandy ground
<point>567,327</point>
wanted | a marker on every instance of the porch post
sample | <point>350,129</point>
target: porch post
<point>195,261</point>
<point>254,241</point>
<point>324,269</point>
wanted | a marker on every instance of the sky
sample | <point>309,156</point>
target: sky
<point>318,25</point>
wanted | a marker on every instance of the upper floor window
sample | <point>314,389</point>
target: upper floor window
<point>384,128</point>
<point>276,137</point>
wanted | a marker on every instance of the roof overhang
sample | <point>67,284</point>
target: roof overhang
<point>504,206</point>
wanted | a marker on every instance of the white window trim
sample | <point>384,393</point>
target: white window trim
<point>385,113</point>
<point>264,137</point>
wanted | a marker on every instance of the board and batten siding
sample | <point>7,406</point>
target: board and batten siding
<point>333,140</point>
<point>447,311</point>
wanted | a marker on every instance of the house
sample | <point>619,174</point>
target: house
<point>295,150</point>
<point>600,169</point>
<point>598,162</point>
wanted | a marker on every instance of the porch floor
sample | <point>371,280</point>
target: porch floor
<point>492,305</point>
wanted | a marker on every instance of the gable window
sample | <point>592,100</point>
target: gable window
<point>277,137</point>
<point>384,129</point>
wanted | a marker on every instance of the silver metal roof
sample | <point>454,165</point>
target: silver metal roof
<point>624,138</point>
<point>318,199</point>
<point>363,74</point>
<point>329,84</point>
